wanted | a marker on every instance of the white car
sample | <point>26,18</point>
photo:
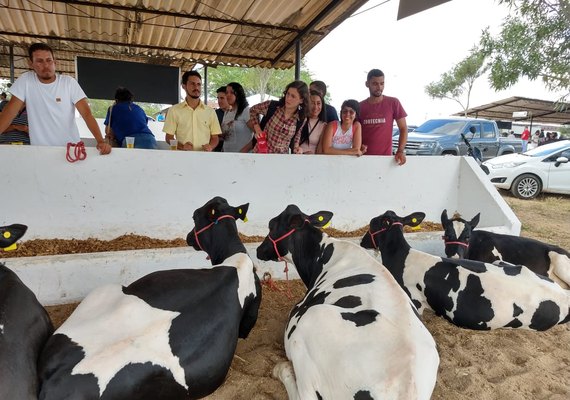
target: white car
<point>543,169</point>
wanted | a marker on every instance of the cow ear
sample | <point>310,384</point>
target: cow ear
<point>475,220</point>
<point>241,212</point>
<point>414,219</point>
<point>296,221</point>
<point>444,218</point>
<point>321,219</point>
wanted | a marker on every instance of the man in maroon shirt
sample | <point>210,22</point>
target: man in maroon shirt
<point>377,115</point>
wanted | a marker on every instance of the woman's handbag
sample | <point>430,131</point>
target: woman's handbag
<point>109,135</point>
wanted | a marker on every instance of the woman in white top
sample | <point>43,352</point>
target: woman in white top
<point>314,126</point>
<point>344,137</point>
<point>237,135</point>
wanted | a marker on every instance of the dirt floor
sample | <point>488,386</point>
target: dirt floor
<point>505,364</point>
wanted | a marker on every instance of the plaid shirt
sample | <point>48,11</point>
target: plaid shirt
<point>279,129</point>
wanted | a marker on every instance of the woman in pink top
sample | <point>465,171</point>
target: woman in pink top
<point>314,126</point>
<point>344,137</point>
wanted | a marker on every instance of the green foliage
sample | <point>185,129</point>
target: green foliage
<point>534,43</point>
<point>459,80</point>
<point>99,107</point>
<point>266,81</point>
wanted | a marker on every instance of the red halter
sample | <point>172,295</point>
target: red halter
<point>466,245</point>
<point>380,231</point>
<point>279,257</point>
<point>79,152</point>
<point>196,233</point>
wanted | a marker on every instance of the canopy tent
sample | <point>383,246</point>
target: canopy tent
<point>263,33</point>
<point>522,109</point>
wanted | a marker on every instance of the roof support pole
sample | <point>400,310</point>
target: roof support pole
<point>205,84</point>
<point>298,60</point>
<point>12,75</point>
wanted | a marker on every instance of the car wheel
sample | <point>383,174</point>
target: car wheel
<point>526,186</point>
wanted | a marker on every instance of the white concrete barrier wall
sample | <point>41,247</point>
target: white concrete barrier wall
<point>154,193</point>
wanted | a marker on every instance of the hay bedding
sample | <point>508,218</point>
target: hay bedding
<point>504,364</point>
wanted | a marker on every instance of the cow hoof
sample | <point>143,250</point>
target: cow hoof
<point>283,371</point>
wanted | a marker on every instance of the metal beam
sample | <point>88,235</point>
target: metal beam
<point>174,14</point>
<point>326,11</point>
<point>140,46</point>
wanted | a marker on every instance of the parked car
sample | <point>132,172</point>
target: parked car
<point>543,169</point>
<point>443,137</point>
<point>396,130</point>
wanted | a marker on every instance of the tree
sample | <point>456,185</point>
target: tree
<point>99,107</point>
<point>534,42</point>
<point>459,79</point>
<point>265,81</point>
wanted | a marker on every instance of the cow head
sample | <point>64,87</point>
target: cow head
<point>382,225</point>
<point>215,230</point>
<point>10,234</point>
<point>296,233</point>
<point>457,233</point>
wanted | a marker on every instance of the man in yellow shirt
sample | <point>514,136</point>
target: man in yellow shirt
<point>194,125</point>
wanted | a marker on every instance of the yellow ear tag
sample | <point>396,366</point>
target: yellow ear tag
<point>244,219</point>
<point>327,225</point>
<point>417,227</point>
<point>213,212</point>
<point>7,235</point>
<point>414,220</point>
<point>239,211</point>
<point>10,248</point>
<point>320,218</point>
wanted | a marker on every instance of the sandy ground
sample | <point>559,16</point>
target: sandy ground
<point>504,364</point>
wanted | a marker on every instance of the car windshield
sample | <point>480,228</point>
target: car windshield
<point>547,149</point>
<point>440,127</point>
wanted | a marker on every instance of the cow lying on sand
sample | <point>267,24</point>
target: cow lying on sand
<point>355,334</point>
<point>169,335</point>
<point>24,328</point>
<point>470,294</point>
<point>461,240</point>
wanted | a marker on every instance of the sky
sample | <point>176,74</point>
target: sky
<point>412,53</point>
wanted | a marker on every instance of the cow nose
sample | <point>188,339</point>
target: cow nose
<point>265,251</point>
<point>190,239</point>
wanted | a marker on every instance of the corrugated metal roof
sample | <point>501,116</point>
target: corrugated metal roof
<point>169,32</point>
<point>537,110</point>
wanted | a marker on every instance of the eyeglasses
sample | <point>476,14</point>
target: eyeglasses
<point>347,111</point>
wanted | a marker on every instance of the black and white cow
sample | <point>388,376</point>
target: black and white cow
<point>24,328</point>
<point>470,294</point>
<point>170,335</point>
<point>461,240</point>
<point>355,334</point>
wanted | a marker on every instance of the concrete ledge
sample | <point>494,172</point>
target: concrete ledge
<point>69,278</point>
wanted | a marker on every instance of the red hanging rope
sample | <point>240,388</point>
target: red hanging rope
<point>78,151</point>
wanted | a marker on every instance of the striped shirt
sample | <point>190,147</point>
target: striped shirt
<point>12,135</point>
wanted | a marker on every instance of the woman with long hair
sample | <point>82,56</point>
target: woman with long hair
<point>314,126</point>
<point>282,120</point>
<point>344,137</point>
<point>235,131</point>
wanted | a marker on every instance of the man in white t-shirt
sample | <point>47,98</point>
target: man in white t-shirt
<point>51,100</point>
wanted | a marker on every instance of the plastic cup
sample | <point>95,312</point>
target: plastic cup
<point>173,144</point>
<point>130,142</point>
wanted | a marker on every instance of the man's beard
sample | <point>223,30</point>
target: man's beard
<point>194,97</point>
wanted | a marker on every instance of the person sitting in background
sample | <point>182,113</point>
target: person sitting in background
<point>282,120</point>
<point>220,111</point>
<point>126,119</point>
<point>17,132</point>
<point>314,127</point>
<point>3,100</point>
<point>344,137</point>
<point>330,111</point>
<point>236,134</point>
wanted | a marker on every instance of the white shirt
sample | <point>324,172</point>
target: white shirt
<point>51,108</point>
